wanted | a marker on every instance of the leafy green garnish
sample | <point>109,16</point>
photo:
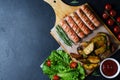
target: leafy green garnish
<point>95,73</point>
<point>74,1</point>
<point>60,65</point>
<point>63,36</point>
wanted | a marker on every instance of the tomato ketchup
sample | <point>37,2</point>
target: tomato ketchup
<point>109,67</point>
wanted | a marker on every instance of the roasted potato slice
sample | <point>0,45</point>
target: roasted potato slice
<point>74,55</point>
<point>99,40</point>
<point>82,46</point>
<point>83,60</point>
<point>90,66</point>
<point>93,59</point>
<point>89,48</point>
<point>94,65</point>
<point>107,37</point>
<point>100,50</point>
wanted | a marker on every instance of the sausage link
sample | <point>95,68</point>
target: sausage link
<point>85,19</point>
<point>80,23</point>
<point>71,34</point>
<point>74,26</point>
<point>90,15</point>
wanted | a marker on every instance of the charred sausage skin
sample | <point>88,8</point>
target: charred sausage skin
<point>90,15</point>
<point>69,31</point>
<point>85,19</point>
<point>74,26</point>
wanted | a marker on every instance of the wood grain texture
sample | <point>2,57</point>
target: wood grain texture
<point>61,10</point>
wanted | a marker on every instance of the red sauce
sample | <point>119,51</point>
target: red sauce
<point>109,68</point>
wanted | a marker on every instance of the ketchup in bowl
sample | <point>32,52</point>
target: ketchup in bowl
<point>109,68</point>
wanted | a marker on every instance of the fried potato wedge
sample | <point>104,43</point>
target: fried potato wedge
<point>100,50</point>
<point>90,66</point>
<point>93,59</point>
<point>89,48</point>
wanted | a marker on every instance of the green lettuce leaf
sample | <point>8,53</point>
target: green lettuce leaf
<point>60,65</point>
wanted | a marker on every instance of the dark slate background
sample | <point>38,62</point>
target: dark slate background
<point>25,41</point>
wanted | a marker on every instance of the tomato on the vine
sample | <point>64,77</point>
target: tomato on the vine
<point>116,29</point>
<point>105,16</point>
<point>118,19</point>
<point>108,6</point>
<point>110,22</point>
<point>113,13</point>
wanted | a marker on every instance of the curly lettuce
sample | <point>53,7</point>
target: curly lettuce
<point>60,65</point>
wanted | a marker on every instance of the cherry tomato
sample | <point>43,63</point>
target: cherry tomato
<point>110,22</point>
<point>116,29</point>
<point>56,77</point>
<point>105,16</point>
<point>113,13</point>
<point>118,36</point>
<point>73,64</point>
<point>118,19</point>
<point>108,6</point>
<point>48,63</point>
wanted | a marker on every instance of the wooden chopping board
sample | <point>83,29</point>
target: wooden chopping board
<point>62,10</point>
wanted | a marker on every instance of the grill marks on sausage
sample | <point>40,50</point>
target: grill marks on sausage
<point>74,26</point>
<point>85,19</point>
<point>80,23</point>
<point>90,15</point>
<point>69,31</point>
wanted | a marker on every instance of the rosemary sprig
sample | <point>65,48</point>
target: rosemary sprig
<point>95,73</point>
<point>74,1</point>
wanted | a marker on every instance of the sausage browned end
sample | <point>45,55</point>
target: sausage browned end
<point>71,34</point>
<point>85,19</point>
<point>80,23</point>
<point>74,26</point>
<point>90,15</point>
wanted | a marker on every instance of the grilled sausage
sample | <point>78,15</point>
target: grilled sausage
<point>74,26</point>
<point>85,19</point>
<point>71,34</point>
<point>80,23</point>
<point>90,15</point>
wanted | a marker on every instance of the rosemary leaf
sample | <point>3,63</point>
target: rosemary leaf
<point>74,2</point>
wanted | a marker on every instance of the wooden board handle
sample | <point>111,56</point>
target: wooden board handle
<point>61,9</point>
